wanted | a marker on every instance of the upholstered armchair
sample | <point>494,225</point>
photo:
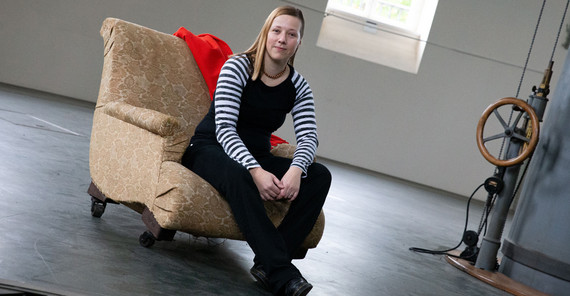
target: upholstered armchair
<point>151,98</point>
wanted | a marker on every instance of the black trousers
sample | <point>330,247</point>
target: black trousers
<point>273,247</point>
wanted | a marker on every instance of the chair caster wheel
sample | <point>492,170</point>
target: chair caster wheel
<point>97,207</point>
<point>147,239</point>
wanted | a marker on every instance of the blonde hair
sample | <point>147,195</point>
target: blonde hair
<point>256,52</point>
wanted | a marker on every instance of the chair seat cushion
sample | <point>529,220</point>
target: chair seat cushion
<point>188,203</point>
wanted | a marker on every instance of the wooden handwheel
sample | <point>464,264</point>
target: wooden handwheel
<point>530,140</point>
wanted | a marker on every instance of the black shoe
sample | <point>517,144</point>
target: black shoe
<point>259,274</point>
<point>297,287</point>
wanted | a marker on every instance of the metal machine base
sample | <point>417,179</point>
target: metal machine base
<point>495,279</point>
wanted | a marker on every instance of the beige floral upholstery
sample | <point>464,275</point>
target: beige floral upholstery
<point>151,98</point>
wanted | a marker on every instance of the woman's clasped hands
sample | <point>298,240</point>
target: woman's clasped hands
<point>271,188</point>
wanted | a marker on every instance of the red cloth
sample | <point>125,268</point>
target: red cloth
<point>275,140</point>
<point>210,53</point>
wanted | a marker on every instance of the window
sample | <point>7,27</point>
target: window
<point>393,12</point>
<point>387,32</point>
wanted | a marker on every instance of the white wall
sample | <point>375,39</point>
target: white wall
<point>416,127</point>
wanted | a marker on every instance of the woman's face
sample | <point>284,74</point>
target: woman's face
<point>283,38</point>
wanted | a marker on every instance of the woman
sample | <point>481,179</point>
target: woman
<point>231,150</point>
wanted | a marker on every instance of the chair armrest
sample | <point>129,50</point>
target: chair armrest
<point>153,121</point>
<point>125,158</point>
<point>284,150</point>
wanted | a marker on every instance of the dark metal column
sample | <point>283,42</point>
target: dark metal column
<point>537,249</point>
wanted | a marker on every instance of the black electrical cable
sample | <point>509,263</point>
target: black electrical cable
<point>482,224</point>
<point>445,252</point>
<point>485,217</point>
<point>489,205</point>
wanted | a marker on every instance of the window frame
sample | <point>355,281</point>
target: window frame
<point>410,26</point>
<point>388,44</point>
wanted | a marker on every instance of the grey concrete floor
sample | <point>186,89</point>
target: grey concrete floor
<point>48,238</point>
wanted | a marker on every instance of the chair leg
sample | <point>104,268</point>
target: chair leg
<point>154,228</point>
<point>155,232</point>
<point>95,192</point>
<point>98,200</point>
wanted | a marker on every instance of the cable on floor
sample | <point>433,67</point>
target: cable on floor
<point>445,252</point>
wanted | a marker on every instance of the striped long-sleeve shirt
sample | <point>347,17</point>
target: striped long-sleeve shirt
<point>236,100</point>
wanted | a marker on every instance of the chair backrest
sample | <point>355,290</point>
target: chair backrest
<point>152,70</point>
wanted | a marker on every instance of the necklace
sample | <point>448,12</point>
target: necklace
<point>276,75</point>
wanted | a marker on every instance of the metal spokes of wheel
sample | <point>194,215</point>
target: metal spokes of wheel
<point>510,130</point>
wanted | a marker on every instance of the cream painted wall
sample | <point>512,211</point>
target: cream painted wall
<point>415,127</point>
